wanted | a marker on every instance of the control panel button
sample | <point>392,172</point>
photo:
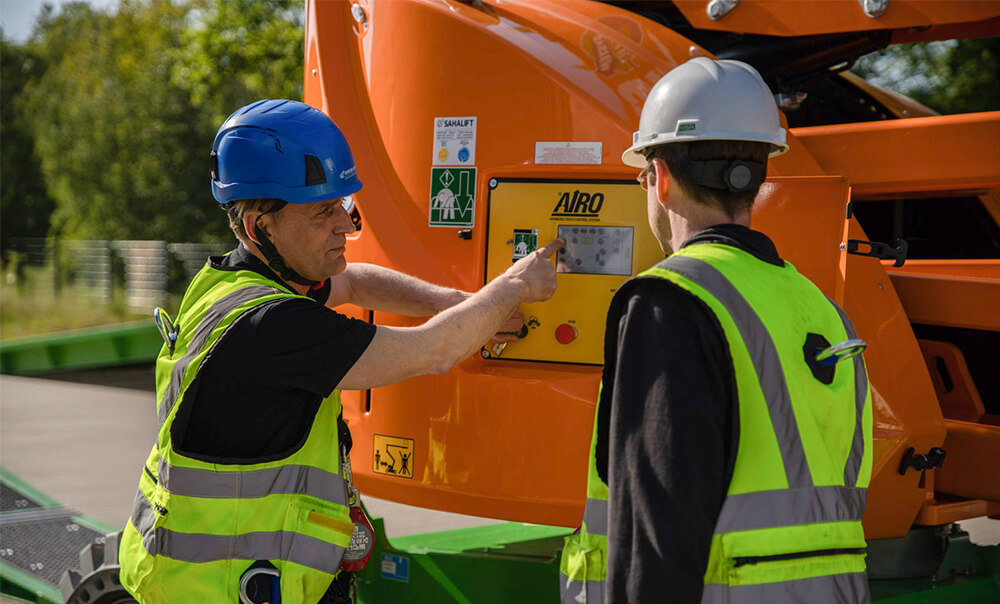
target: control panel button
<point>565,333</point>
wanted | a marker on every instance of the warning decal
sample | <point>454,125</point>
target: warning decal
<point>393,456</point>
<point>454,141</point>
<point>453,197</point>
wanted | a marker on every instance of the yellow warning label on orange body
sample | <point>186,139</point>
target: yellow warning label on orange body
<point>393,456</point>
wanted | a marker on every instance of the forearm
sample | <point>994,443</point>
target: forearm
<point>398,353</point>
<point>466,326</point>
<point>378,288</point>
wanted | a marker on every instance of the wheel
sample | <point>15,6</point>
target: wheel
<point>96,581</point>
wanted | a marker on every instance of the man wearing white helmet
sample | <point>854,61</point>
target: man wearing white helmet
<point>732,451</point>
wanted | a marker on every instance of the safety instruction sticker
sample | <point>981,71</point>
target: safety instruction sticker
<point>454,141</point>
<point>568,152</point>
<point>396,567</point>
<point>453,197</point>
<point>525,242</point>
<point>393,456</point>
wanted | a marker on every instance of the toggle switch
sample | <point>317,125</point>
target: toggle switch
<point>565,333</point>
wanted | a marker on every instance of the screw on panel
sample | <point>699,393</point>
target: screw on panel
<point>314,72</point>
<point>359,14</point>
<point>874,8</point>
<point>718,9</point>
<point>493,183</point>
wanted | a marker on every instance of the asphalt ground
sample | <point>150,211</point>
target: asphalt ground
<point>84,445</point>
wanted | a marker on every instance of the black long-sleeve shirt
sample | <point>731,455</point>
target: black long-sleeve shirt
<point>668,429</point>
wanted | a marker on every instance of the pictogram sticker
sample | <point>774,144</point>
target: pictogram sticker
<point>525,242</point>
<point>393,456</point>
<point>453,197</point>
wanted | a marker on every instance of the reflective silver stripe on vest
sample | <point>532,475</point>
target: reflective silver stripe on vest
<point>847,588</point>
<point>790,507</point>
<point>765,359</point>
<point>253,484</point>
<point>580,592</point>
<point>853,466</point>
<point>215,314</point>
<point>198,547</point>
<point>143,517</point>
<point>595,517</point>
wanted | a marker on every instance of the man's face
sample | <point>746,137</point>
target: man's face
<point>659,223</point>
<point>311,237</point>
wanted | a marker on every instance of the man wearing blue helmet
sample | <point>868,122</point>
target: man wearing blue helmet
<point>246,495</point>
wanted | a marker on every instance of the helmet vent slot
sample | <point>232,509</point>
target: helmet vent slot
<point>314,171</point>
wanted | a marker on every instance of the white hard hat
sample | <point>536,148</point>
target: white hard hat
<point>704,99</point>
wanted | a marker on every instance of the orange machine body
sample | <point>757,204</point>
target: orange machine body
<point>509,439</point>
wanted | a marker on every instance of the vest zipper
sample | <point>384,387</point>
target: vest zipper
<point>743,560</point>
<point>162,511</point>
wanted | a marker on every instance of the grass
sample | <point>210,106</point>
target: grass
<point>30,305</point>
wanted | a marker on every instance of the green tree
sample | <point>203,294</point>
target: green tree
<point>125,115</point>
<point>955,76</point>
<point>117,141</point>
<point>25,205</point>
<point>234,52</point>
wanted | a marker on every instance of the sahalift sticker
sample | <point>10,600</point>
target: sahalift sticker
<point>454,141</point>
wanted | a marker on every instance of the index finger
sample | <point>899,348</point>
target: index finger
<point>550,249</point>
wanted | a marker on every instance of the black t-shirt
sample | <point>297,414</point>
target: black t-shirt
<point>668,431</point>
<point>257,392</point>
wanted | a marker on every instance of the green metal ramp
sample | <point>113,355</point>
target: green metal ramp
<point>39,541</point>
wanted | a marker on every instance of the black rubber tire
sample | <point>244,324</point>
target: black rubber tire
<point>96,581</point>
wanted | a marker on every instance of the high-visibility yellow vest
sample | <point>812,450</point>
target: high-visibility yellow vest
<point>196,526</point>
<point>790,526</point>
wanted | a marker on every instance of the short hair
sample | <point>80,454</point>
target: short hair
<point>237,209</point>
<point>732,203</point>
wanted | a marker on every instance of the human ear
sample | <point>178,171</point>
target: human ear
<point>251,220</point>
<point>662,184</point>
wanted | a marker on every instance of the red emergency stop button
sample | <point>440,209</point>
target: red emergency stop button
<point>565,333</point>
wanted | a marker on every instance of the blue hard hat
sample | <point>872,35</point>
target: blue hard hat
<point>284,150</point>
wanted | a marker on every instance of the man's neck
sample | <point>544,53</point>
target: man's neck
<point>252,248</point>
<point>688,218</point>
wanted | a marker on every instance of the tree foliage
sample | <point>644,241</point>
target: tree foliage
<point>957,76</point>
<point>25,205</point>
<point>124,114</point>
<point>235,52</point>
<point>118,147</point>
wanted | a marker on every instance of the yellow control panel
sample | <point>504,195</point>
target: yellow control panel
<point>607,239</point>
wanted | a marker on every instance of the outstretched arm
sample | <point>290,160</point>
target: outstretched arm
<point>398,353</point>
<point>378,288</point>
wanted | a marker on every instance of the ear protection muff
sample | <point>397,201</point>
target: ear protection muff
<point>733,175</point>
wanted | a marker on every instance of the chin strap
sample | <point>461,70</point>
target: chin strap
<point>274,259</point>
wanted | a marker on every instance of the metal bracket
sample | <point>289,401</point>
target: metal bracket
<point>718,9</point>
<point>878,250</point>
<point>930,461</point>
<point>874,8</point>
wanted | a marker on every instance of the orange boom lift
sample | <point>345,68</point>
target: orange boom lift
<point>480,127</point>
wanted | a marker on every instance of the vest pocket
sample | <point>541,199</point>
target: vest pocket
<point>584,558</point>
<point>779,568</point>
<point>315,537</point>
